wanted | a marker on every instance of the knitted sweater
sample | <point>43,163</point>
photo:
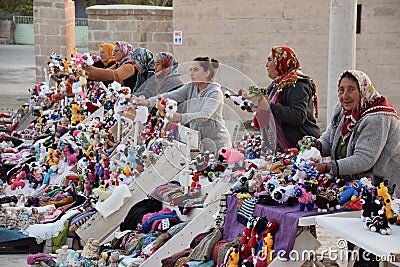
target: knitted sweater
<point>373,149</point>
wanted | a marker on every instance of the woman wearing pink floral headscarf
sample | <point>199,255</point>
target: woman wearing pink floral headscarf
<point>123,71</point>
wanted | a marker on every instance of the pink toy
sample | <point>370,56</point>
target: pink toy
<point>91,180</point>
<point>78,57</point>
<point>32,259</point>
<point>18,181</point>
<point>107,170</point>
<point>17,184</point>
<point>231,157</point>
<point>72,156</point>
<point>305,198</point>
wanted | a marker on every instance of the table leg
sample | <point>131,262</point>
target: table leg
<point>303,247</point>
<point>353,259</point>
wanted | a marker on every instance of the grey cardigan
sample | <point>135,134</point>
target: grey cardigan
<point>373,150</point>
<point>203,113</point>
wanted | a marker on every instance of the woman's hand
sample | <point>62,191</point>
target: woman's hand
<point>322,167</point>
<point>309,141</point>
<point>139,101</point>
<point>87,68</point>
<point>245,94</point>
<point>175,117</point>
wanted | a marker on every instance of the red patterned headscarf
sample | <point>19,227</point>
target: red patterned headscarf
<point>287,64</point>
<point>371,103</point>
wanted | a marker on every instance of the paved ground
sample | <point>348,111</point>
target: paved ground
<point>17,75</point>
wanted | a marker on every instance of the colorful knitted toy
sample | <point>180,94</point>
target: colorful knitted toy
<point>383,192</point>
<point>349,192</point>
<point>305,198</point>
<point>231,157</point>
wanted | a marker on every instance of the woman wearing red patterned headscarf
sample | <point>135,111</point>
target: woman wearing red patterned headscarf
<point>167,75</point>
<point>291,97</point>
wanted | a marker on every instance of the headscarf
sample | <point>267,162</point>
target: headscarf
<point>126,49</point>
<point>168,61</point>
<point>287,64</point>
<point>143,58</point>
<point>371,103</point>
<point>109,48</point>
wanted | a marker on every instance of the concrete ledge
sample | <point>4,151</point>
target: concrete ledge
<point>129,10</point>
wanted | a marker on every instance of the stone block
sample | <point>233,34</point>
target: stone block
<point>97,24</point>
<point>54,40</point>
<point>162,37</point>
<point>47,250</point>
<point>146,26</point>
<point>124,36</point>
<point>311,26</point>
<point>159,47</point>
<point>51,13</point>
<point>69,242</point>
<point>141,37</point>
<point>5,29</point>
<point>51,29</point>
<point>164,26</point>
<point>102,35</point>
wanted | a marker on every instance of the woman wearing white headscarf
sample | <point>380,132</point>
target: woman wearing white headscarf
<point>363,136</point>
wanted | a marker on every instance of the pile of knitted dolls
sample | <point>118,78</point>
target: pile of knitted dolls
<point>56,171</point>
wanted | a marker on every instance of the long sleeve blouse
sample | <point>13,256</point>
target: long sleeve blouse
<point>203,111</point>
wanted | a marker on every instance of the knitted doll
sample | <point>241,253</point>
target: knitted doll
<point>305,198</point>
<point>234,258</point>
<point>349,192</point>
<point>231,157</point>
<point>383,192</point>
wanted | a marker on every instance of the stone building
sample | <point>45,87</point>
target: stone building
<point>240,34</point>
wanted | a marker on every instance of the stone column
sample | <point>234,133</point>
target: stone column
<point>54,31</point>
<point>342,46</point>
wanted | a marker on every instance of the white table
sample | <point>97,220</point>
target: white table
<point>354,231</point>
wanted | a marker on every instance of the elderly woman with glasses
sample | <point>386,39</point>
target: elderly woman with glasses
<point>123,71</point>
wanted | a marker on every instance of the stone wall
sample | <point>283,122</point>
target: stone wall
<point>378,46</point>
<point>241,34</point>
<point>54,23</point>
<point>142,26</point>
<point>6,32</point>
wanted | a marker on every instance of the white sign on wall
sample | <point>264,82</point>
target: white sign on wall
<point>177,37</point>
